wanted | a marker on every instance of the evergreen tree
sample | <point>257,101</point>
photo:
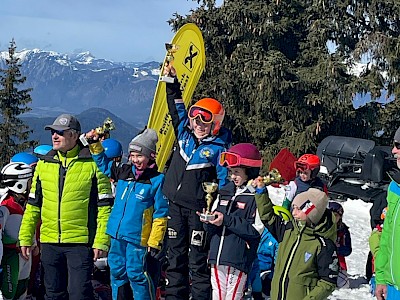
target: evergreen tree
<point>269,63</point>
<point>14,134</point>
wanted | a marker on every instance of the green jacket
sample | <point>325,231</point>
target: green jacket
<point>71,197</point>
<point>307,265</point>
<point>387,262</point>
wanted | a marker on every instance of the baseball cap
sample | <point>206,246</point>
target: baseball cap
<point>65,122</point>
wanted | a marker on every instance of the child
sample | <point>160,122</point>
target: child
<point>139,217</point>
<point>307,168</point>
<point>16,178</point>
<point>343,243</point>
<point>200,140</point>
<point>374,240</point>
<point>235,232</point>
<point>307,265</point>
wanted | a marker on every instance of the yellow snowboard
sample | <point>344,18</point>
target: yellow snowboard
<point>189,63</point>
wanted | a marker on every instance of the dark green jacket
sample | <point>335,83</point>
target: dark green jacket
<point>307,265</point>
<point>72,198</point>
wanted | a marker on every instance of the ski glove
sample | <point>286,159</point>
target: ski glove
<point>155,253</point>
<point>174,89</point>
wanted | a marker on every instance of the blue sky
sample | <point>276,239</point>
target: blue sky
<point>120,30</point>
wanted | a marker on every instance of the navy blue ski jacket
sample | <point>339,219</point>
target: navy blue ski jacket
<point>235,242</point>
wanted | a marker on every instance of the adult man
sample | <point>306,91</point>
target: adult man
<point>73,199</point>
<point>387,263</point>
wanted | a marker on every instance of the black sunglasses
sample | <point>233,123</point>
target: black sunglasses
<point>59,132</point>
<point>396,144</point>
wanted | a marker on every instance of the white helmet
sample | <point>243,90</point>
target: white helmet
<point>15,176</point>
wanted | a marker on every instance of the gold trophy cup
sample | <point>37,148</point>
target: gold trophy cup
<point>209,188</point>
<point>171,50</point>
<point>102,130</point>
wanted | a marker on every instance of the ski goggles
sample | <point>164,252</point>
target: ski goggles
<point>229,159</point>
<point>301,167</point>
<point>205,115</point>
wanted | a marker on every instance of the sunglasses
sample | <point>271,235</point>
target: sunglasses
<point>59,132</point>
<point>396,144</point>
<point>205,115</point>
<point>228,159</point>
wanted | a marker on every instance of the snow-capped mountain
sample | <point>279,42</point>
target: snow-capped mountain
<point>76,82</point>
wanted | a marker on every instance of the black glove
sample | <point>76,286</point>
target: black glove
<point>155,253</point>
<point>174,89</point>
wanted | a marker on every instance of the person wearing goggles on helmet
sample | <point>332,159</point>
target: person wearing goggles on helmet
<point>16,178</point>
<point>236,230</point>
<point>200,140</point>
<point>307,168</point>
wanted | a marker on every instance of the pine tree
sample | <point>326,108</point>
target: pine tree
<point>269,63</point>
<point>14,134</point>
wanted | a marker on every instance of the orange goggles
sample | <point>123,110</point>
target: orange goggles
<point>205,115</point>
<point>229,159</point>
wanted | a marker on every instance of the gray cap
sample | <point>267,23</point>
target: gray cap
<point>65,122</point>
<point>397,135</point>
<point>145,143</point>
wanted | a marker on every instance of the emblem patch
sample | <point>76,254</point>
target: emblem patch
<point>206,152</point>
<point>197,238</point>
<point>307,256</point>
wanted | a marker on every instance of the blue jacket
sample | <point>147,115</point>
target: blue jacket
<point>193,162</point>
<point>267,251</point>
<point>140,210</point>
<point>235,242</point>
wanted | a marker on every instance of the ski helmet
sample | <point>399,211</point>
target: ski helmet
<point>336,208</point>
<point>243,155</point>
<point>308,162</point>
<point>210,111</point>
<point>112,148</point>
<point>26,158</point>
<point>15,176</point>
<point>42,149</point>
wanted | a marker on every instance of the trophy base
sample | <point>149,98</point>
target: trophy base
<point>207,217</point>
<point>167,79</point>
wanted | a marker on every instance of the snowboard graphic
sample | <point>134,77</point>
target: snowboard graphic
<point>189,62</point>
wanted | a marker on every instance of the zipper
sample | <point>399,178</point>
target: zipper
<point>394,228</point>
<point>126,202</point>
<point>187,163</point>
<point>221,242</point>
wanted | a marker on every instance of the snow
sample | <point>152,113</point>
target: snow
<point>356,216</point>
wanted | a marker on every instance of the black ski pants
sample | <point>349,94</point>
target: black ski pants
<point>187,256</point>
<point>67,271</point>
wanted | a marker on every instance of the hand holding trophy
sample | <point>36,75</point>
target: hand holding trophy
<point>99,133</point>
<point>209,188</point>
<point>171,49</point>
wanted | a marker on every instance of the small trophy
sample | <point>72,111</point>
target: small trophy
<point>273,176</point>
<point>102,131</point>
<point>171,49</point>
<point>209,188</point>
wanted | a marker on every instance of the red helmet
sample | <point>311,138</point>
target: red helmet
<point>308,162</point>
<point>210,111</point>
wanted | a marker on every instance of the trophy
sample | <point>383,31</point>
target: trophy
<point>273,176</point>
<point>171,49</point>
<point>209,188</point>
<point>102,131</point>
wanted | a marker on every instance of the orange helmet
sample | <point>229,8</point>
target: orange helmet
<point>308,162</point>
<point>210,111</point>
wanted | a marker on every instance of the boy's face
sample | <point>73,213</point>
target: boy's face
<point>238,176</point>
<point>305,175</point>
<point>298,214</point>
<point>139,160</point>
<point>200,129</point>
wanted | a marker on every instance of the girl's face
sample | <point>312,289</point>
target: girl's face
<point>238,175</point>
<point>305,175</point>
<point>139,160</point>
<point>298,214</point>
<point>337,217</point>
<point>200,129</point>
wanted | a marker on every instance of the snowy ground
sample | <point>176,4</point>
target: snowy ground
<point>356,216</point>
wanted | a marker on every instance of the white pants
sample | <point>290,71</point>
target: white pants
<point>227,283</point>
